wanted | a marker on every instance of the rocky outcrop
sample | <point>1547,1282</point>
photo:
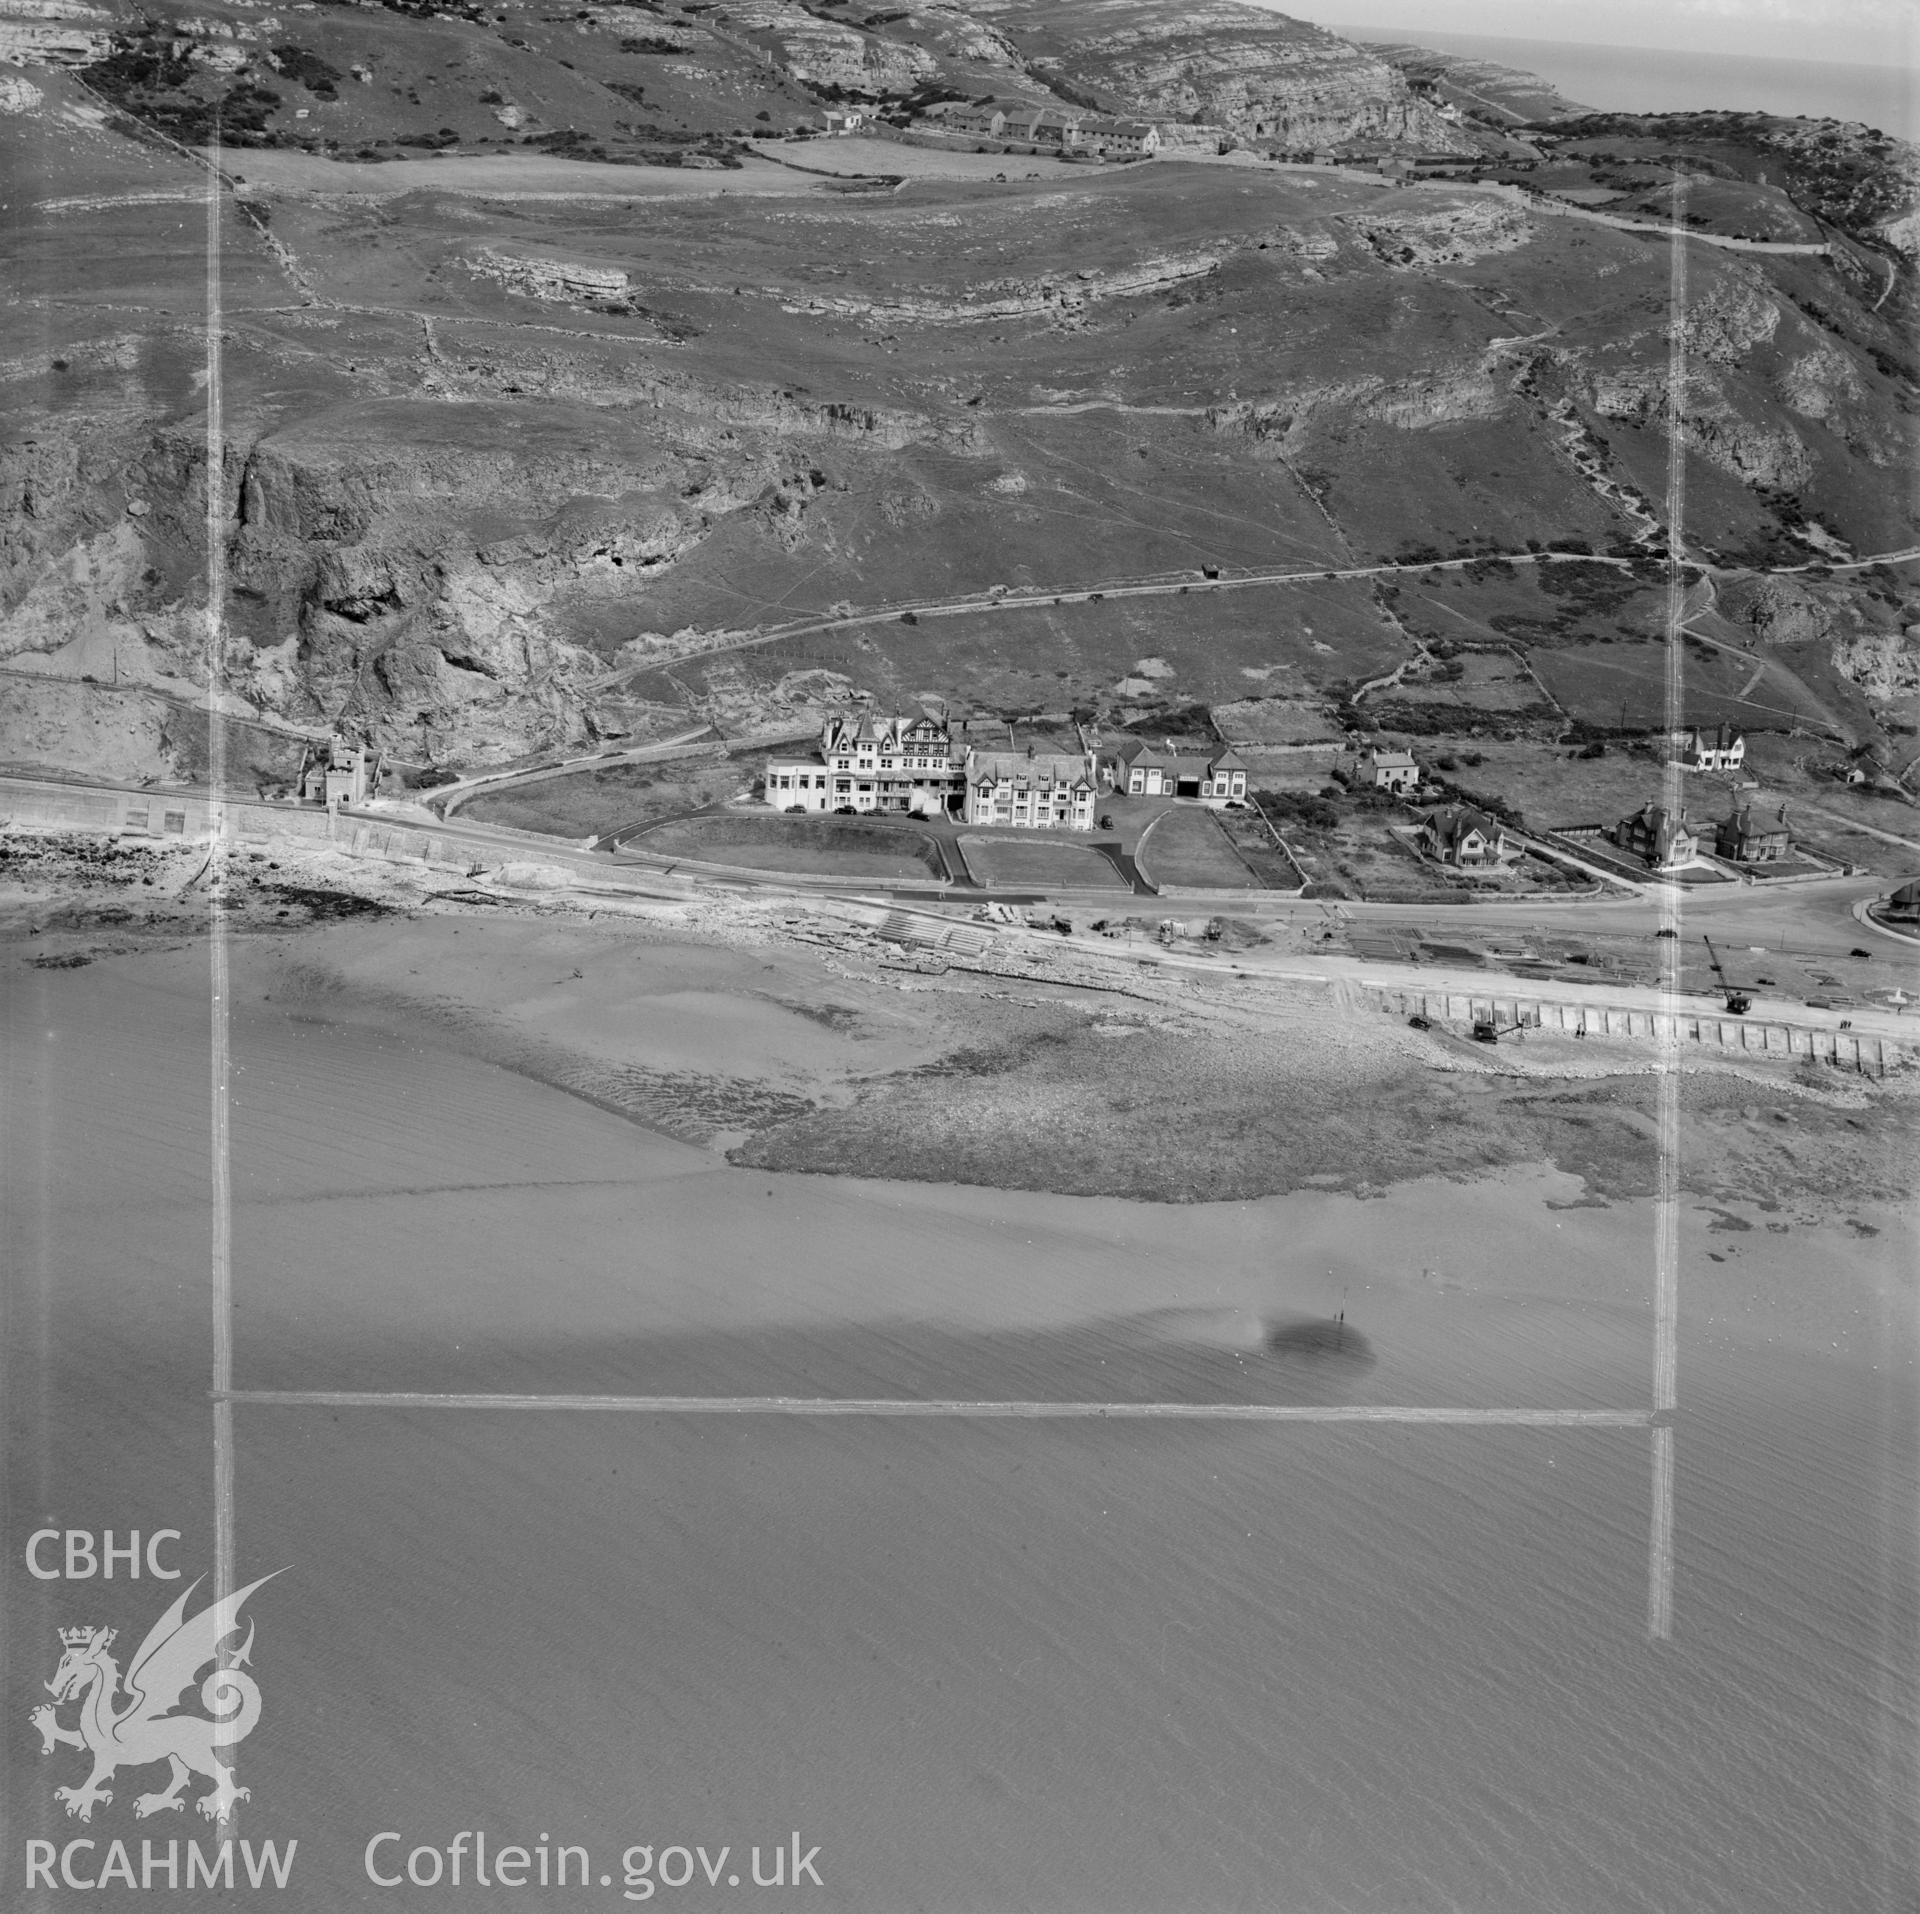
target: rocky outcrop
<point>1446,394</point>
<point>1028,298</point>
<point>953,31</point>
<point>825,53</point>
<point>1738,311</point>
<point>1820,384</point>
<point>1267,79</point>
<point>52,33</point>
<point>1781,611</point>
<point>1447,235</point>
<point>1884,664</point>
<point>1751,450</point>
<point>420,572</point>
<point>537,277</point>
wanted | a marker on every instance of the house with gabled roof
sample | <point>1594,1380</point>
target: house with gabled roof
<point>1031,789</point>
<point>1721,749</point>
<point>1119,136</point>
<point>984,119</point>
<point>1743,839</point>
<point>1136,768</point>
<point>864,763</point>
<point>1466,837</point>
<point>1387,770</point>
<point>1046,126</point>
<point>1657,837</point>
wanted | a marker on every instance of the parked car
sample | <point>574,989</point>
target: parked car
<point>1106,820</point>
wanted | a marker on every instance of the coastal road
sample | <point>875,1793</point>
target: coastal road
<point>449,797</point>
<point>1176,584</point>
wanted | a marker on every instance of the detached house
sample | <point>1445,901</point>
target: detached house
<point>1135,768</point>
<point>1740,839</point>
<point>1394,771</point>
<point>343,774</point>
<point>1655,836</point>
<point>1721,749</point>
<point>1467,838</point>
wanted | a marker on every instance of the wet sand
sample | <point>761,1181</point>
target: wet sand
<point>1072,1665</point>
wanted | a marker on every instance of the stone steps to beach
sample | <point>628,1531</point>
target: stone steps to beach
<point>920,933</point>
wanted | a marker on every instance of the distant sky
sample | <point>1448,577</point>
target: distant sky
<point>1867,32</point>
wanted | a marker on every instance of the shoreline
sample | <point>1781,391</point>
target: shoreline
<point>776,1042</point>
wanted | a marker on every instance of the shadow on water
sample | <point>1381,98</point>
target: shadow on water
<point>1315,1340</point>
<point>1174,1355</point>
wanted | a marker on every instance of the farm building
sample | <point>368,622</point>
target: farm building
<point>1742,840</point>
<point>1460,835</point>
<point>1655,836</point>
<point>1137,769</point>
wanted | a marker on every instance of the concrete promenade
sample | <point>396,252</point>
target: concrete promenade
<point>1869,1038</point>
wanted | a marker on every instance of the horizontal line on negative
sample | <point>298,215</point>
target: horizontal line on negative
<point>880,1406</point>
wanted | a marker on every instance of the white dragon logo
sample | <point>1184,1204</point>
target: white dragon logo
<point>143,1731</point>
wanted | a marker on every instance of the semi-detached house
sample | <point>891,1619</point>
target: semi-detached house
<point>1032,788</point>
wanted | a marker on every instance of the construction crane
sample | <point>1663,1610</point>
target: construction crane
<point>1739,1001</point>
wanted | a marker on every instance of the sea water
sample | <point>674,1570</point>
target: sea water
<point>1663,79</point>
<point>978,1664</point>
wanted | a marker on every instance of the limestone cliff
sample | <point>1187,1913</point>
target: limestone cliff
<point>1265,78</point>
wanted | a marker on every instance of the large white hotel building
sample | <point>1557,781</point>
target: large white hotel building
<point>910,765</point>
